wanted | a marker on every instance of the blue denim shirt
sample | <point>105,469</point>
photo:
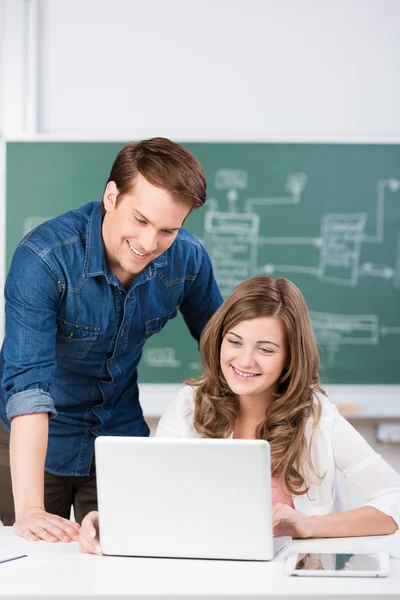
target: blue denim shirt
<point>74,335</point>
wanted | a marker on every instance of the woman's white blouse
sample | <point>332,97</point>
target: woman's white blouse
<point>335,446</point>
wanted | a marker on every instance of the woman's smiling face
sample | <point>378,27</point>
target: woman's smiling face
<point>253,355</point>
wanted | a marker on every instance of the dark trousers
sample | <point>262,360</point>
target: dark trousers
<point>60,493</point>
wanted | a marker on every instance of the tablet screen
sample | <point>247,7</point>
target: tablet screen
<point>338,562</point>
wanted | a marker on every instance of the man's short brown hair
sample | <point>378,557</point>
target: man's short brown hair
<point>162,163</point>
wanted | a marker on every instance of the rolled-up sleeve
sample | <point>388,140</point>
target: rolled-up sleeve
<point>30,402</point>
<point>31,295</point>
<point>373,478</point>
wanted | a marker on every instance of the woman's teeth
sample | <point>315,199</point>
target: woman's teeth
<point>243,374</point>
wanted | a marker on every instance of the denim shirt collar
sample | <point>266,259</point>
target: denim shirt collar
<point>95,256</point>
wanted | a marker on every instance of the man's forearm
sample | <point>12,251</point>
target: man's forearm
<point>28,447</point>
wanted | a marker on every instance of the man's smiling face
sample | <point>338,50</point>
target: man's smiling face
<point>139,227</point>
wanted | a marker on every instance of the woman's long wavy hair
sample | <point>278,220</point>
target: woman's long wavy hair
<point>216,406</point>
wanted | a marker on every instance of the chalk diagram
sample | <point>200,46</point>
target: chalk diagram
<point>161,357</point>
<point>233,240</point>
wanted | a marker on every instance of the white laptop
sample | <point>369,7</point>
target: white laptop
<point>185,498</point>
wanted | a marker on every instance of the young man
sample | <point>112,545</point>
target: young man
<point>84,293</point>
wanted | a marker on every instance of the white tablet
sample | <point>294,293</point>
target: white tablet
<point>338,565</point>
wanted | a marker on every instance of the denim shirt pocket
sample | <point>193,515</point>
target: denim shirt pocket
<point>74,341</point>
<point>155,325</point>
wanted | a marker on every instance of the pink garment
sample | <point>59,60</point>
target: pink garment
<point>278,495</point>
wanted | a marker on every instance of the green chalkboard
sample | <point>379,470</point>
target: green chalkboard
<point>327,216</point>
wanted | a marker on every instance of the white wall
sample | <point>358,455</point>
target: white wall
<point>2,28</point>
<point>220,69</point>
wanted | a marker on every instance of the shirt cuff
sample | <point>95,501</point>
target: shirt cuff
<point>389,504</point>
<point>30,402</point>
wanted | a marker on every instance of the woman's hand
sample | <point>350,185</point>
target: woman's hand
<point>89,534</point>
<point>287,521</point>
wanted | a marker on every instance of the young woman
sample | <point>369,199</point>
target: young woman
<point>260,381</point>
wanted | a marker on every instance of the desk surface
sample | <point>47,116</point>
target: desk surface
<point>60,571</point>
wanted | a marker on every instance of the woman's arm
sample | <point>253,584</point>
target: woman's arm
<point>373,478</point>
<point>365,520</point>
<point>350,523</point>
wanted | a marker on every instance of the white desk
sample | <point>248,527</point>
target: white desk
<point>60,571</point>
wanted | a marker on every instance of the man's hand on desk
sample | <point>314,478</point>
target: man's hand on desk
<point>89,534</point>
<point>37,524</point>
